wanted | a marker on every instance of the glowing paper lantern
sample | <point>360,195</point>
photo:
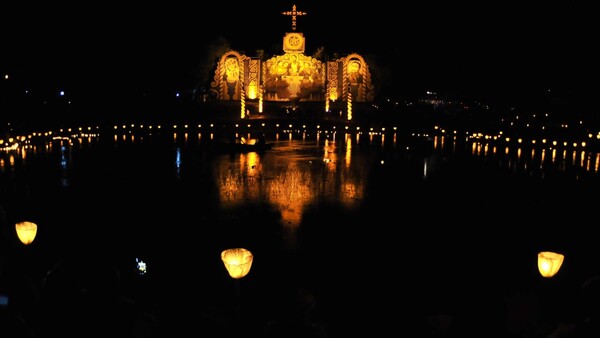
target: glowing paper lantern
<point>26,231</point>
<point>549,263</point>
<point>237,262</point>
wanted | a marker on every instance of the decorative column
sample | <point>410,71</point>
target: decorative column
<point>242,91</point>
<point>349,104</point>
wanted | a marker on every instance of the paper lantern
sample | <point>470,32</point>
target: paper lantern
<point>549,263</point>
<point>26,231</point>
<point>238,262</point>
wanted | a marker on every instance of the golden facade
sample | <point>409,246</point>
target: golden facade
<point>292,76</point>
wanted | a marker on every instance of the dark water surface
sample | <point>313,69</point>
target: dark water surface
<point>384,230</point>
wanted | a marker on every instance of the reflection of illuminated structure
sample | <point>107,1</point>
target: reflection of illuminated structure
<point>291,185</point>
<point>292,76</point>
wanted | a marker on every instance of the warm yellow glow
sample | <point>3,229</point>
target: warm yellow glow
<point>252,92</point>
<point>549,263</point>
<point>333,95</point>
<point>349,117</point>
<point>243,104</point>
<point>238,261</point>
<point>26,231</point>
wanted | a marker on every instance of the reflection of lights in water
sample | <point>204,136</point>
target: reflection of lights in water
<point>178,162</point>
<point>438,142</point>
<point>63,159</point>
<point>11,162</point>
<point>65,156</point>
<point>542,158</point>
<point>178,157</point>
<point>289,184</point>
<point>237,179</point>
<point>348,154</point>
<point>329,154</point>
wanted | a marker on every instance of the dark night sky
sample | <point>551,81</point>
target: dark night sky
<point>468,48</point>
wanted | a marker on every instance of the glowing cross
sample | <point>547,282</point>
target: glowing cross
<point>293,13</point>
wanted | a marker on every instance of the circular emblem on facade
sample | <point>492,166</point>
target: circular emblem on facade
<point>294,41</point>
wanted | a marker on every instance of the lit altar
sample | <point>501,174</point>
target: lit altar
<point>291,76</point>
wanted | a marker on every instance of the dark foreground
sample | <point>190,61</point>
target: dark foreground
<point>450,255</point>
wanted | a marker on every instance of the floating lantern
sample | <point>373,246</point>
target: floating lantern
<point>26,231</point>
<point>549,263</point>
<point>238,262</point>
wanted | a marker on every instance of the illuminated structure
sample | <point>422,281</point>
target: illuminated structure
<point>292,77</point>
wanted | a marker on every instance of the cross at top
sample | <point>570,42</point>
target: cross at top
<point>293,13</point>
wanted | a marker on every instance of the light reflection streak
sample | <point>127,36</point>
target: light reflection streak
<point>333,175</point>
<point>292,183</point>
<point>535,160</point>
